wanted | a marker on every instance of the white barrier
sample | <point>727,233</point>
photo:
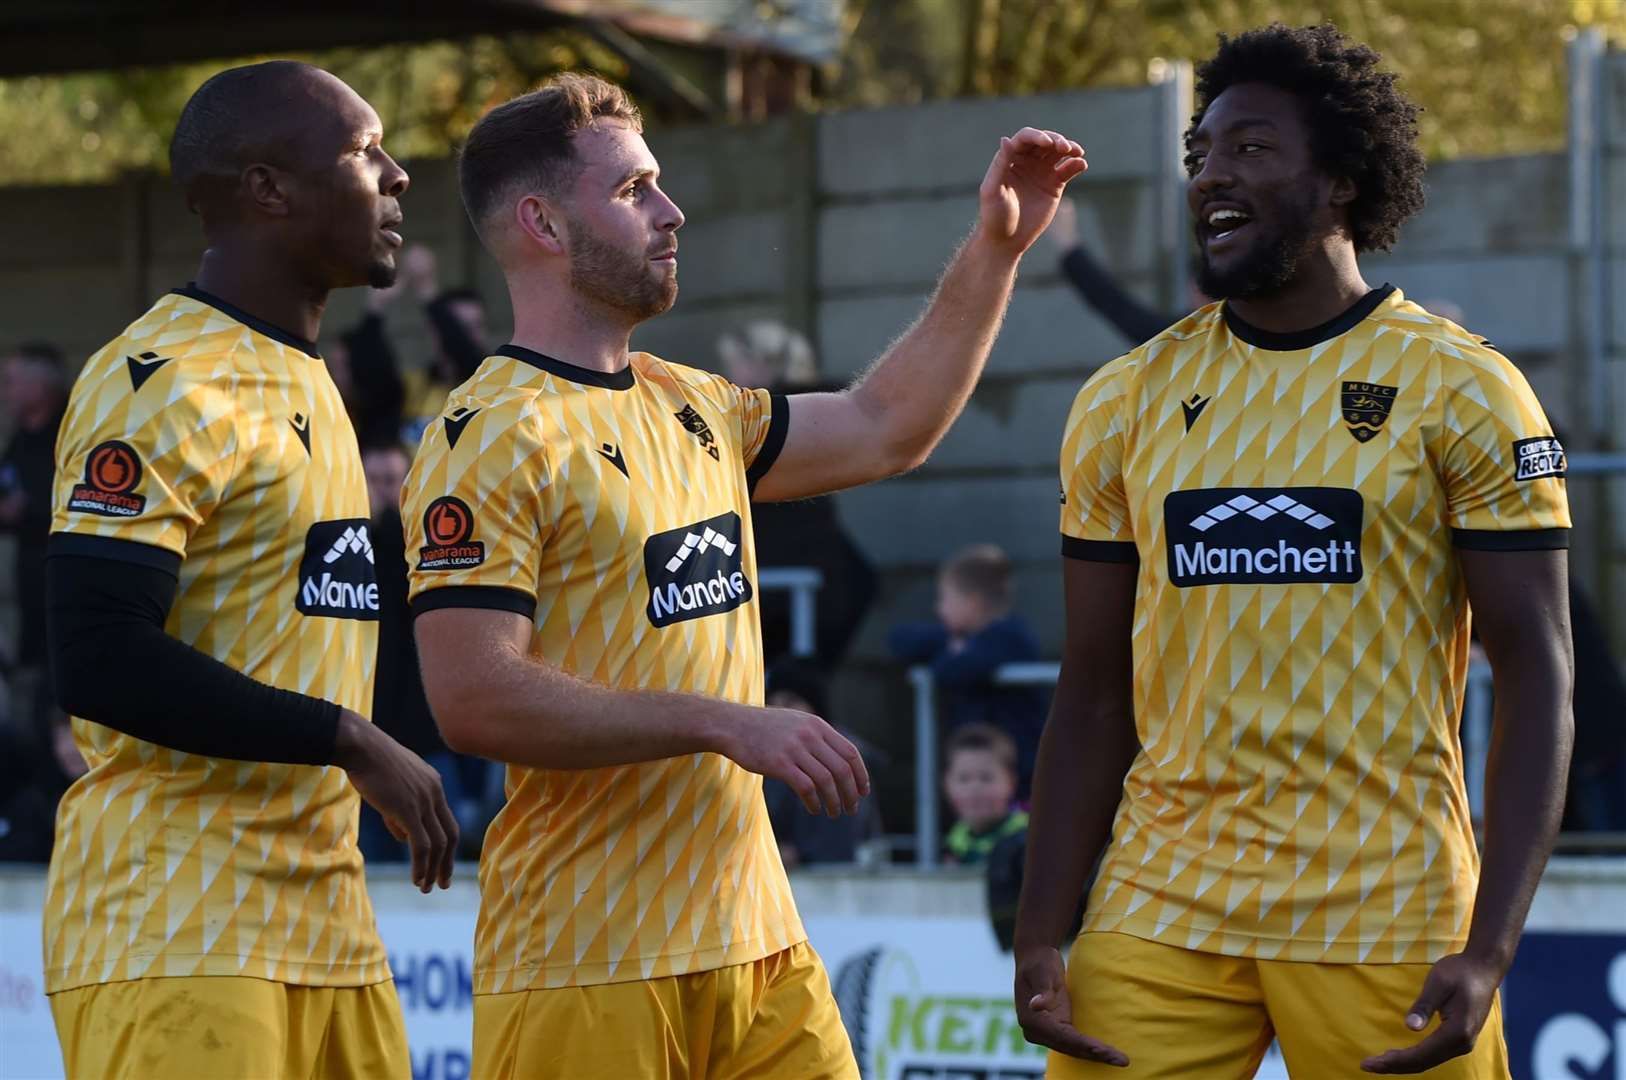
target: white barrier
<point>923,987</point>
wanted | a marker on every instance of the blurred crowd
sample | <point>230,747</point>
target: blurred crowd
<point>990,732</point>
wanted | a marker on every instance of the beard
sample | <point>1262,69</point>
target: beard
<point>1268,267</point>
<point>381,273</point>
<point>614,279</point>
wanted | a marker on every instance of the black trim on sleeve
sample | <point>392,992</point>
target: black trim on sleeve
<point>276,333</point>
<point>1511,539</point>
<point>772,443</point>
<point>1118,551</point>
<point>609,380</point>
<point>112,663</point>
<point>109,547</point>
<point>485,597</point>
<point>1315,335</point>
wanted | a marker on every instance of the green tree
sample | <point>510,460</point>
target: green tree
<point>87,128</point>
<point>1489,73</point>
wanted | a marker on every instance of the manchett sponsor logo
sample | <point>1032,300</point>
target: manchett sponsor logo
<point>336,576</point>
<point>1263,535</point>
<point>695,571</point>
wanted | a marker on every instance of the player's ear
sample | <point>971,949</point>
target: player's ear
<point>1343,191</point>
<point>542,223</point>
<point>265,188</point>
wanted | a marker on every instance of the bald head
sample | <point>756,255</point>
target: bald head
<point>275,113</point>
<point>286,165</point>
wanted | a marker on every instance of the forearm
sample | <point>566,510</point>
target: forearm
<point>1134,320</point>
<point>1084,755</point>
<point>918,386</point>
<point>1524,784</point>
<point>523,712</point>
<point>106,640</point>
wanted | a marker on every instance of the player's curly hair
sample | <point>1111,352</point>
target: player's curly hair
<point>1361,126</point>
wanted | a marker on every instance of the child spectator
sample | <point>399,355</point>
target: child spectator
<point>979,778</point>
<point>806,839</point>
<point>976,633</point>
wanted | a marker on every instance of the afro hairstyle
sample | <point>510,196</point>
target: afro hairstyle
<point>1361,126</point>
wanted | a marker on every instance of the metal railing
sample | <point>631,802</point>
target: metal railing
<point>803,584</point>
<point>1476,725</point>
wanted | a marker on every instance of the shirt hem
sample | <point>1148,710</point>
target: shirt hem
<point>491,981</point>
<point>339,976</point>
<point>1231,942</point>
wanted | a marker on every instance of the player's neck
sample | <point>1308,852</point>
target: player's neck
<point>553,322</point>
<point>1327,284</point>
<point>264,288</point>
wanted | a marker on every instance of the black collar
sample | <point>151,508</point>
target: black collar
<point>1306,339</point>
<point>259,326</point>
<point>609,380</point>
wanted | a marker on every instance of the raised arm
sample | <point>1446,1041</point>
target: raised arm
<point>1520,604</point>
<point>895,414</point>
<point>1088,744</point>
<point>492,698</point>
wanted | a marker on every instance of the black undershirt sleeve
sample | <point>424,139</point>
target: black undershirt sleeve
<point>112,663</point>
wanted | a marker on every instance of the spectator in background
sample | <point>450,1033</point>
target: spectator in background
<point>809,839</point>
<point>803,533</point>
<point>34,381</point>
<point>33,775</point>
<point>974,634</point>
<point>1099,288</point>
<point>979,780</point>
<point>386,402</point>
<point>399,705</point>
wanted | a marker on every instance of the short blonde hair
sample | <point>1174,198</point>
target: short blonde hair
<point>525,144</point>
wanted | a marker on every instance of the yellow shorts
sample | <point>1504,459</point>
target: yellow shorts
<point>1181,1013</point>
<point>231,1028</point>
<point>772,1018</point>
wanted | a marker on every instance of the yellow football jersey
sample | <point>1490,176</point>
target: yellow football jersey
<point>1301,623</point>
<point>208,443</point>
<point>613,511</point>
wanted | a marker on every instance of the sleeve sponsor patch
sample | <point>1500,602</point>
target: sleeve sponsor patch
<point>1536,458</point>
<point>112,472</point>
<point>448,525</point>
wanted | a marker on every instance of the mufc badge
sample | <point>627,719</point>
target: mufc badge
<point>1365,407</point>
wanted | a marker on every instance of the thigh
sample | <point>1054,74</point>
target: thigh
<point>205,1026</point>
<point>776,1017</point>
<point>637,1029</point>
<point>1331,1017</point>
<point>1176,1013</point>
<point>363,1036</point>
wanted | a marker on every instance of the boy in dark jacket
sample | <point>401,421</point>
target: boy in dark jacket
<point>976,633</point>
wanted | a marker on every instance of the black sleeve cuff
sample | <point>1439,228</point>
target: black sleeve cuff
<point>486,597</point>
<point>772,443</point>
<point>1511,539</point>
<point>108,547</point>
<point>1118,551</point>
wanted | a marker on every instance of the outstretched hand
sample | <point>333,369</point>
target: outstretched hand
<point>1024,183</point>
<point>1044,1008</point>
<point>1461,991</point>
